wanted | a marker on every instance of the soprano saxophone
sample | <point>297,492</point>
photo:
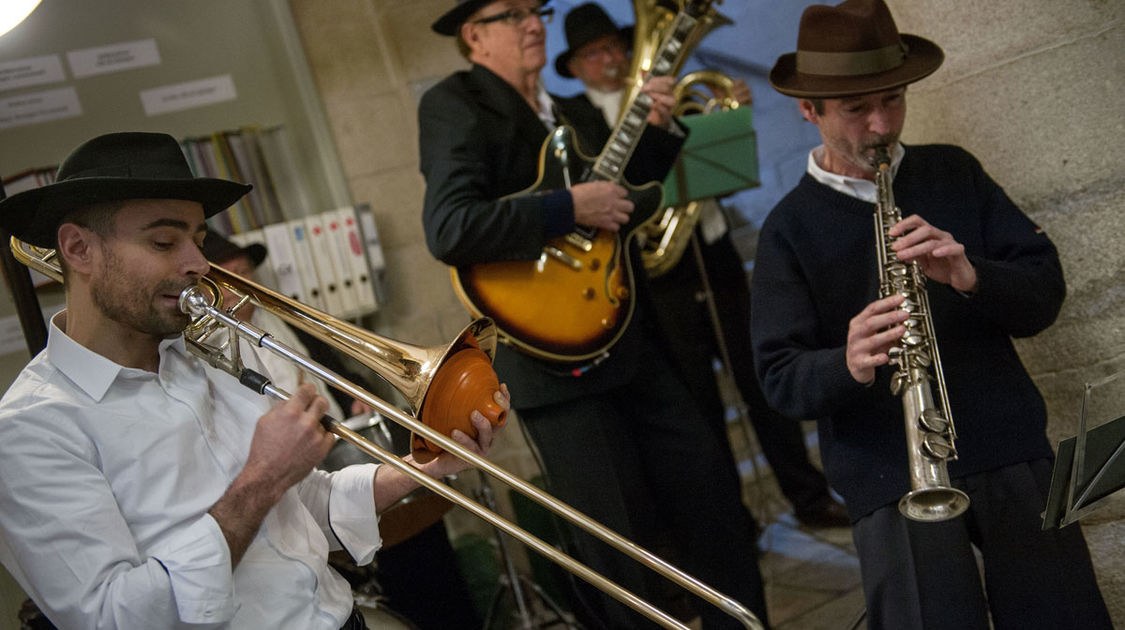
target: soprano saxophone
<point>930,434</point>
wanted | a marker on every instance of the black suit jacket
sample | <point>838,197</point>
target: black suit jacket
<point>479,141</point>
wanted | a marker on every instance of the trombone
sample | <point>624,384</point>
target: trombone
<point>411,370</point>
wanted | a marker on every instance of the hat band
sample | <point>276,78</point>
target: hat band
<point>851,63</point>
<point>136,171</point>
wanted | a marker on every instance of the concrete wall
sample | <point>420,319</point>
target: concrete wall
<point>1034,89</point>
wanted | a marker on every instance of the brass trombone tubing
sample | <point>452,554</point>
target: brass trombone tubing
<point>200,305</point>
<point>192,298</point>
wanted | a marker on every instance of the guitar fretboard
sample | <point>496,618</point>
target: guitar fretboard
<point>611,163</point>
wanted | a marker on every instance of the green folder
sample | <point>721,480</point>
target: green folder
<point>719,157</point>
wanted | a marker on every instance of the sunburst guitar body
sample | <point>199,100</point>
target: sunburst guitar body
<point>576,300</point>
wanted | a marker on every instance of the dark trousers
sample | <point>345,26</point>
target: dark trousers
<point>685,317</point>
<point>925,575</point>
<point>640,460</point>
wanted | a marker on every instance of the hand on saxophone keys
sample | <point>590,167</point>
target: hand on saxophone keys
<point>871,335</point>
<point>939,255</point>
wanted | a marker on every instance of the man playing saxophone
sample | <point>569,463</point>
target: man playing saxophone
<point>823,339</point>
<point>139,487</point>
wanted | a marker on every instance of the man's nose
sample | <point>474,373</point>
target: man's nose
<point>195,263</point>
<point>879,121</point>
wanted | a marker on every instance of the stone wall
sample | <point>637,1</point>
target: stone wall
<point>1034,90</point>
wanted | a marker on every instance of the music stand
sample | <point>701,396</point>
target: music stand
<point>1090,467</point>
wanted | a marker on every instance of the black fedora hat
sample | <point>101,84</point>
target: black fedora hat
<point>219,249</point>
<point>584,24</point>
<point>113,167</point>
<point>850,49</point>
<point>455,17</point>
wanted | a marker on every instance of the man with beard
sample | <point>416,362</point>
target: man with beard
<point>619,437</point>
<point>823,340</point>
<point>142,488</point>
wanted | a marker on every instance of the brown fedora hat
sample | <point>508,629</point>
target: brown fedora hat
<point>114,167</point>
<point>852,48</point>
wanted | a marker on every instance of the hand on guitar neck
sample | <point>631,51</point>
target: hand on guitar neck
<point>659,89</point>
<point>601,205</point>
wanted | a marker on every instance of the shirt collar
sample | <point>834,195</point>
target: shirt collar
<point>861,189</point>
<point>608,102</point>
<point>90,371</point>
<point>546,107</point>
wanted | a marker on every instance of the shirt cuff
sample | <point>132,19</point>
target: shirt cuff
<point>199,571</point>
<point>351,511</point>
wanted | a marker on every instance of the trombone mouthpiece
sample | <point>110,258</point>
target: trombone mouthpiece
<point>193,302</point>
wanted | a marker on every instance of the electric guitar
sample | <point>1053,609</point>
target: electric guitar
<point>576,300</point>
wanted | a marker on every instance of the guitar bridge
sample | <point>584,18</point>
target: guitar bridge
<point>561,256</point>
<point>579,241</point>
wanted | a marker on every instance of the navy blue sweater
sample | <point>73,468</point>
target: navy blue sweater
<point>815,269</point>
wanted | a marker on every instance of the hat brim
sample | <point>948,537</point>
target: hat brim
<point>34,215</point>
<point>455,17</point>
<point>923,58</point>
<point>563,60</point>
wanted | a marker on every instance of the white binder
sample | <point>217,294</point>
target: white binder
<point>320,247</point>
<point>320,284</point>
<point>334,249</point>
<point>282,260</point>
<point>349,244</point>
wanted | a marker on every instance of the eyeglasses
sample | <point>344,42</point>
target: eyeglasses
<point>515,17</point>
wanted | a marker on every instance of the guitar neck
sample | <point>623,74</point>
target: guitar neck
<point>623,141</point>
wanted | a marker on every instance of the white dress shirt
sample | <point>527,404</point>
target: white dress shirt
<point>106,477</point>
<point>862,189</point>
<point>608,102</point>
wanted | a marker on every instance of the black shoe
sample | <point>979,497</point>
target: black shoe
<point>825,513</point>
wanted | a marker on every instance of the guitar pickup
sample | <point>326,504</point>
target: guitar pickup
<point>579,241</point>
<point>561,256</point>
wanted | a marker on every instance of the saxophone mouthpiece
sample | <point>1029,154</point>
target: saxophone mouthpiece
<point>881,157</point>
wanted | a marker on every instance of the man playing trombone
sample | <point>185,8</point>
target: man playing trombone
<point>141,488</point>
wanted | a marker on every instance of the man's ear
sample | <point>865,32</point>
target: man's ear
<point>808,110</point>
<point>572,65</point>
<point>77,246</point>
<point>470,36</point>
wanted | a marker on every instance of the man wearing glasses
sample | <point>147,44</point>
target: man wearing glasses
<point>619,438</point>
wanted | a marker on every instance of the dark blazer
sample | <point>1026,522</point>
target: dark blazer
<point>479,141</point>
